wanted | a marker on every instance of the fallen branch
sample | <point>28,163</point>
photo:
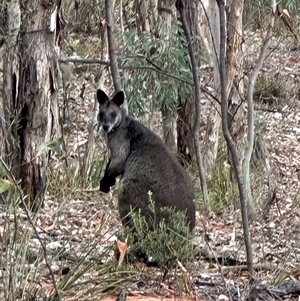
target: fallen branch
<point>256,267</point>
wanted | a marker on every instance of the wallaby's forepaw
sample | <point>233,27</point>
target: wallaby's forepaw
<point>105,184</point>
<point>104,187</point>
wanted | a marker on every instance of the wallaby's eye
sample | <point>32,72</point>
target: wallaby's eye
<point>101,115</point>
<point>113,114</point>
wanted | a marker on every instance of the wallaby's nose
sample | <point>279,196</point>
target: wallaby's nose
<point>105,127</point>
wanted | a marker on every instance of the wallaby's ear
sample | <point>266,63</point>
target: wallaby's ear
<point>102,96</point>
<point>118,98</point>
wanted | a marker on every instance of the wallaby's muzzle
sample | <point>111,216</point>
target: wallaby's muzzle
<point>105,127</point>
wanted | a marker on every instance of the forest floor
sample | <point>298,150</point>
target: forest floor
<point>77,225</point>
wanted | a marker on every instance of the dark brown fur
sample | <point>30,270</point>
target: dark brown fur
<point>144,163</point>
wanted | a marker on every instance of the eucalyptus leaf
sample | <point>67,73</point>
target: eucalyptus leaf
<point>52,145</point>
<point>42,149</point>
<point>55,144</point>
<point>5,185</point>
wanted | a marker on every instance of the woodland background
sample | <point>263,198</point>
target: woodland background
<point>220,84</point>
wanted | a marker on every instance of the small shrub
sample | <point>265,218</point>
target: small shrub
<point>222,190</point>
<point>163,244</point>
<point>270,90</point>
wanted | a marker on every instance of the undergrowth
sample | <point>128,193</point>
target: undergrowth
<point>223,192</point>
<point>160,244</point>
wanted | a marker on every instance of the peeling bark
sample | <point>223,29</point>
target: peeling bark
<point>169,129</point>
<point>210,34</point>
<point>234,72</point>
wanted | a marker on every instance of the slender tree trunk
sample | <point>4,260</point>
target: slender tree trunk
<point>109,4</point>
<point>30,91</point>
<point>185,122</point>
<point>230,143</point>
<point>166,14</point>
<point>182,6</point>
<point>234,73</point>
<point>103,73</point>
<point>111,45</point>
<point>210,34</point>
<point>186,107</point>
<point>169,128</point>
<point>142,22</point>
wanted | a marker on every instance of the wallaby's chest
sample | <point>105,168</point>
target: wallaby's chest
<point>119,143</point>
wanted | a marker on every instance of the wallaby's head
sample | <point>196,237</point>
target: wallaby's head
<point>110,114</point>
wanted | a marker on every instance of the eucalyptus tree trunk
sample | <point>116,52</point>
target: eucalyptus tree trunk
<point>166,14</point>
<point>184,7</point>
<point>210,35</point>
<point>30,106</point>
<point>109,6</point>
<point>234,73</point>
<point>186,107</point>
<point>185,122</point>
<point>141,17</point>
<point>229,141</point>
<point>237,121</point>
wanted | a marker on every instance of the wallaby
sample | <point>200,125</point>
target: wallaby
<point>144,163</point>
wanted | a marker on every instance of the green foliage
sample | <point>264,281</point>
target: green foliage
<point>291,5</point>
<point>154,63</point>
<point>17,260</point>
<point>162,244</point>
<point>54,145</point>
<point>223,192</point>
<point>256,12</point>
<point>22,257</point>
<point>5,185</point>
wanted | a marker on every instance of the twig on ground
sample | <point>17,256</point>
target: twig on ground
<point>122,247</point>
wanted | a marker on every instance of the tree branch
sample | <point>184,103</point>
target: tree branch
<point>157,69</point>
<point>250,91</point>
<point>83,61</point>
<point>180,4</point>
<point>111,45</point>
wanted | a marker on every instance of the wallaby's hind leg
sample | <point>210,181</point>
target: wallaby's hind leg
<point>133,197</point>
